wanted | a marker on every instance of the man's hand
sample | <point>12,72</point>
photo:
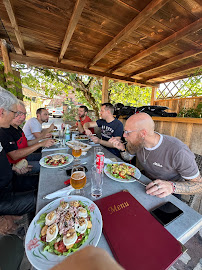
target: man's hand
<point>159,188</point>
<point>88,132</point>
<point>77,118</point>
<point>117,143</point>
<point>95,139</point>
<point>52,127</point>
<point>23,170</point>
<point>47,143</point>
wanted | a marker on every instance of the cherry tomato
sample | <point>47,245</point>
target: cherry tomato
<point>43,238</point>
<point>121,175</point>
<point>79,238</point>
<point>61,247</point>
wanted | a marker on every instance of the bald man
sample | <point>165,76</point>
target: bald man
<point>165,159</point>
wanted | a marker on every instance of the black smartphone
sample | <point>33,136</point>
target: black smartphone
<point>68,171</point>
<point>166,213</point>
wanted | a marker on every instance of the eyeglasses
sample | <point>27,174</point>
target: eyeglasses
<point>13,112</point>
<point>20,114</point>
<point>127,132</point>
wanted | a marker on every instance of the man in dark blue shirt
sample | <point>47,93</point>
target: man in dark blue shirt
<point>110,127</point>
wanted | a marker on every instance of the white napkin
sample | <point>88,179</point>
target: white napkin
<point>109,160</point>
<point>59,193</point>
<point>83,153</point>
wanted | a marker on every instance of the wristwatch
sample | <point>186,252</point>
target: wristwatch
<point>122,150</point>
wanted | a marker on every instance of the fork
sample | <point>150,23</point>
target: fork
<point>137,180</point>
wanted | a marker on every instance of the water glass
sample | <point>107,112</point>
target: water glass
<point>96,183</point>
<point>96,150</point>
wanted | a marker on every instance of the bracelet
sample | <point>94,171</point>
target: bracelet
<point>78,120</point>
<point>173,186</point>
<point>122,150</point>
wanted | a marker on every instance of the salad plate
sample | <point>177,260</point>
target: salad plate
<point>56,160</point>
<point>118,172</point>
<point>44,260</point>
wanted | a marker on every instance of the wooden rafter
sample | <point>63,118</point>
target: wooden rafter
<point>195,26</point>
<point>79,6</point>
<point>9,8</point>
<point>145,14</point>
<point>70,68</point>
<point>177,78</point>
<point>167,62</point>
<point>176,70</point>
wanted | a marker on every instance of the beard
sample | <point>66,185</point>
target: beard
<point>82,115</point>
<point>134,148</point>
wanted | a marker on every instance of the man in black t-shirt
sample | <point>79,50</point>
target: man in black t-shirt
<point>17,192</point>
<point>110,127</point>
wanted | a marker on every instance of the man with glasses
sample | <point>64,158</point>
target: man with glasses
<point>165,159</point>
<point>16,145</point>
<point>110,127</point>
<point>17,192</point>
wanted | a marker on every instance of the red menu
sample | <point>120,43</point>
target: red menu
<point>137,240</point>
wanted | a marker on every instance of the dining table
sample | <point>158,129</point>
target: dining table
<point>52,179</point>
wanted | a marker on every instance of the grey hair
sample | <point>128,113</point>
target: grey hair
<point>7,99</point>
<point>20,102</point>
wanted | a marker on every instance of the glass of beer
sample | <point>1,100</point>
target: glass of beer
<point>76,150</point>
<point>78,179</point>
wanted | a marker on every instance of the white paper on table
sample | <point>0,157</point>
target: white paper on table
<point>59,193</point>
<point>52,149</point>
<point>83,153</point>
<point>108,160</point>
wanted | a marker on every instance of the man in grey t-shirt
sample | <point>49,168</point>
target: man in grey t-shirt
<point>165,159</point>
<point>33,127</point>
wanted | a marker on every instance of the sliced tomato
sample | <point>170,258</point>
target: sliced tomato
<point>79,238</point>
<point>121,175</point>
<point>61,247</point>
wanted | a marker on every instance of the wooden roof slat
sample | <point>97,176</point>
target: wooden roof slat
<point>195,26</point>
<point>146,13</point>
<point>71,68</point>
<point>79,6</point>
<point>11,14</point>
<point>167,62</point>
<point>177,70</point>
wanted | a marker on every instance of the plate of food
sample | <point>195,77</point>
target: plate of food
<point>84,147</point>
<point>62,227</point>
<point>82,138</point>
<point>56,160</point>
<point>120,171</point>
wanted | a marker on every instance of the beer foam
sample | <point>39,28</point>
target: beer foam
<point>78,175</point>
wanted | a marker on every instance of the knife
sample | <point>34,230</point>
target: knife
<point>137,180</point>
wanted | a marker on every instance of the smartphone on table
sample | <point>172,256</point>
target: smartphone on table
<point>166,213</point>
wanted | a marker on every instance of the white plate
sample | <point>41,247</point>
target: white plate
<point>43,260</point>
<point>71,143</point>
<point>43,164</point>
<point>137,173</point>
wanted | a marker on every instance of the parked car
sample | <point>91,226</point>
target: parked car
<point>50,110</point>
<point>57,112</point>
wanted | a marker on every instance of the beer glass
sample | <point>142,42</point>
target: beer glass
<point>76,150</point>
<point>78,179</point>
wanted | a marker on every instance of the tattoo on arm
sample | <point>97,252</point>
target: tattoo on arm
<point>188,187</point>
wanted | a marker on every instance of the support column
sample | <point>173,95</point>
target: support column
<point>153,95</point>
<point>105,86</point>
<point>5,55</point>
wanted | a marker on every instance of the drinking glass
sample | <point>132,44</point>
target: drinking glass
<point>61,138</point>
<point>96,183</point>
<point>76,150</point>
<point>78,179</point>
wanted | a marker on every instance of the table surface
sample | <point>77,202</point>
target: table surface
<point>183,228</point>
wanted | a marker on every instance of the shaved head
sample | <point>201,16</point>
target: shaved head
<point>141,128</point>
<point>141,121</point>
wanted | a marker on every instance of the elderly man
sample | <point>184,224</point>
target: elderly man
<point>16,145</point>
<point>165,159</point>
<point>82,118</point>
<point>33,127</point>
<point>17,192</point>
<point>110,127</point>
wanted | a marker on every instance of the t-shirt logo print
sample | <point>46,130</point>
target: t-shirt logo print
<point>157,164</point>
<point>107,131</point>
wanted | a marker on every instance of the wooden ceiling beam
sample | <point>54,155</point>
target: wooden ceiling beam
<point>167,62</point>
<point>79,6</point>
<point>193,27</point>
<point>70,68</point>
<point>177,70</point>
<point>179,78</point>
<point>145,14</point>
<point>10,10</point>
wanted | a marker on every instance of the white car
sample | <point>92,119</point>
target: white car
<point>57,112</point>
<point>50,110</point>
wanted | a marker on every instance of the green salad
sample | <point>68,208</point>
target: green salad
<point>121,171</point>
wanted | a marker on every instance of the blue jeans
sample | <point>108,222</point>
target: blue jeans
<point>33,160</point>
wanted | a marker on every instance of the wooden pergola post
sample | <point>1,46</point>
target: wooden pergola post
<point>105,86</point>
<point>153,95</point>
<point>5,55</point>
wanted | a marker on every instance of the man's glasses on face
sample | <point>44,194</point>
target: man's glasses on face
<point>13,112</point>
<point>20,114</point>
<point>127,132</point>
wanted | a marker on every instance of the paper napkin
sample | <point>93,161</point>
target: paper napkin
<point>59,193</point>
